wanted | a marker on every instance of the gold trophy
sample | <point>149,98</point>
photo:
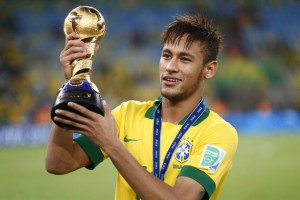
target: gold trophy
<point>89,24</point>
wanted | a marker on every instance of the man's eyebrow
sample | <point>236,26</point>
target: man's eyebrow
<point>166,50</point>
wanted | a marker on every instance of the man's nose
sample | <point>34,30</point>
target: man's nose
<point>172,65</point>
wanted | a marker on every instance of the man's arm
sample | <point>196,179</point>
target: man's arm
<point>148,186</point>
<point>101,130</point>
<point>63,155</point>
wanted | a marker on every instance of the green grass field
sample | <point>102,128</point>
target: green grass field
<point>264,168</point>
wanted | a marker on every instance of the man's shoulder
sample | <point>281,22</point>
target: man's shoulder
<point>214,119</point>
<point>134,104</point>
<point>213,116</point>
<point>133,107</point>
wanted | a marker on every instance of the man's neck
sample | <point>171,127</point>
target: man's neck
<point>174,112</point>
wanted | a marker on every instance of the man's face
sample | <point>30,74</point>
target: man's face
<point>181,70</point>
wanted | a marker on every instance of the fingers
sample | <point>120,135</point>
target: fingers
<point>70,118</point>
<point>74,49</point>
<point>105,107</point>
<point>84,112</point>
<point>96,48</point>
<point>80,127</point>
<point>72,52</point>
<point>72,36</point>
<point>74,44</point>
<point>81,121</point>
<point>99,129</point>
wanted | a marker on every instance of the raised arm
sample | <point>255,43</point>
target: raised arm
<point>63,155</point>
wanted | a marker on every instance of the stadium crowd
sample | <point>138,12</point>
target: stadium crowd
<point>259,66</point>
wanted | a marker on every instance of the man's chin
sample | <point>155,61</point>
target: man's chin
<point>172,96</point>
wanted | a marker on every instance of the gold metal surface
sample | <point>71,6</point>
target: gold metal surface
<point>89,24</point>
<point>76,82</point>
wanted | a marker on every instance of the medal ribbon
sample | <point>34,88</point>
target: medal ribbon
<point>157,125</point>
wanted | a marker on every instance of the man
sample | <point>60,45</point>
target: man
<point>170,148</point>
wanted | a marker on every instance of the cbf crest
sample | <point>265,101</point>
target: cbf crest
<point>183,151</point>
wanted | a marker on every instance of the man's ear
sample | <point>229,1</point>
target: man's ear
<point>210,69</point>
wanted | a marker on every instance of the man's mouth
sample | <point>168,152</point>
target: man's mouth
<point>170,81</point>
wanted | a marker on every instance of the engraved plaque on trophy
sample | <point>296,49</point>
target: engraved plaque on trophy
<point>89,24</point>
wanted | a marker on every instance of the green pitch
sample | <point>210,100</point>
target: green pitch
<point>23,176</point>
<point>264,168</point>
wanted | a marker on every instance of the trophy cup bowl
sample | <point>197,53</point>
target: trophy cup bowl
<point>89,24</point>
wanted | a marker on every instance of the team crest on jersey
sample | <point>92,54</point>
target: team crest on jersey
<point>183,151</point>
<point>212,158</point>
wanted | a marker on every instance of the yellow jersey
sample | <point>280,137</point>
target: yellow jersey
<point>205,152</point>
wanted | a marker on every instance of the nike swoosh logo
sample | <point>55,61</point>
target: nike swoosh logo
<point>130,139</point>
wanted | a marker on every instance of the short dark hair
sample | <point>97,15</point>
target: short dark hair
<point>198,29</point>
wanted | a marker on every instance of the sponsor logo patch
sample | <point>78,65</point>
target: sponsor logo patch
<point>212,158</point>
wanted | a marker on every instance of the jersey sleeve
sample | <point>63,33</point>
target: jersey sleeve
<point>211,158</point>
<point>95,154</point>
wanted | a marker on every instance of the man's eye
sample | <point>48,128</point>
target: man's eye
<point>166,56</point>
<point>185,59</point>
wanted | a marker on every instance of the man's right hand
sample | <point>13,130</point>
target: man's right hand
<point>74,49</point>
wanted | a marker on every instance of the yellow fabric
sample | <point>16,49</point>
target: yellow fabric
<point>135,131</point>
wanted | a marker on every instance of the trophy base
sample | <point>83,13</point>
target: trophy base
<point>81,93</point>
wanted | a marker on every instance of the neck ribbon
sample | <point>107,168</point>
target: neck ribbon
<point>157,125</point>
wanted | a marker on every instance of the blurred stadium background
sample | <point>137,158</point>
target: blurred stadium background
<point>256,88</point>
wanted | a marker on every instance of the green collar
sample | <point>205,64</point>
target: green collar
<point>150,113</point>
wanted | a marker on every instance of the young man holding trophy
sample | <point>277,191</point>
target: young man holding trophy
<point>171,148</point>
